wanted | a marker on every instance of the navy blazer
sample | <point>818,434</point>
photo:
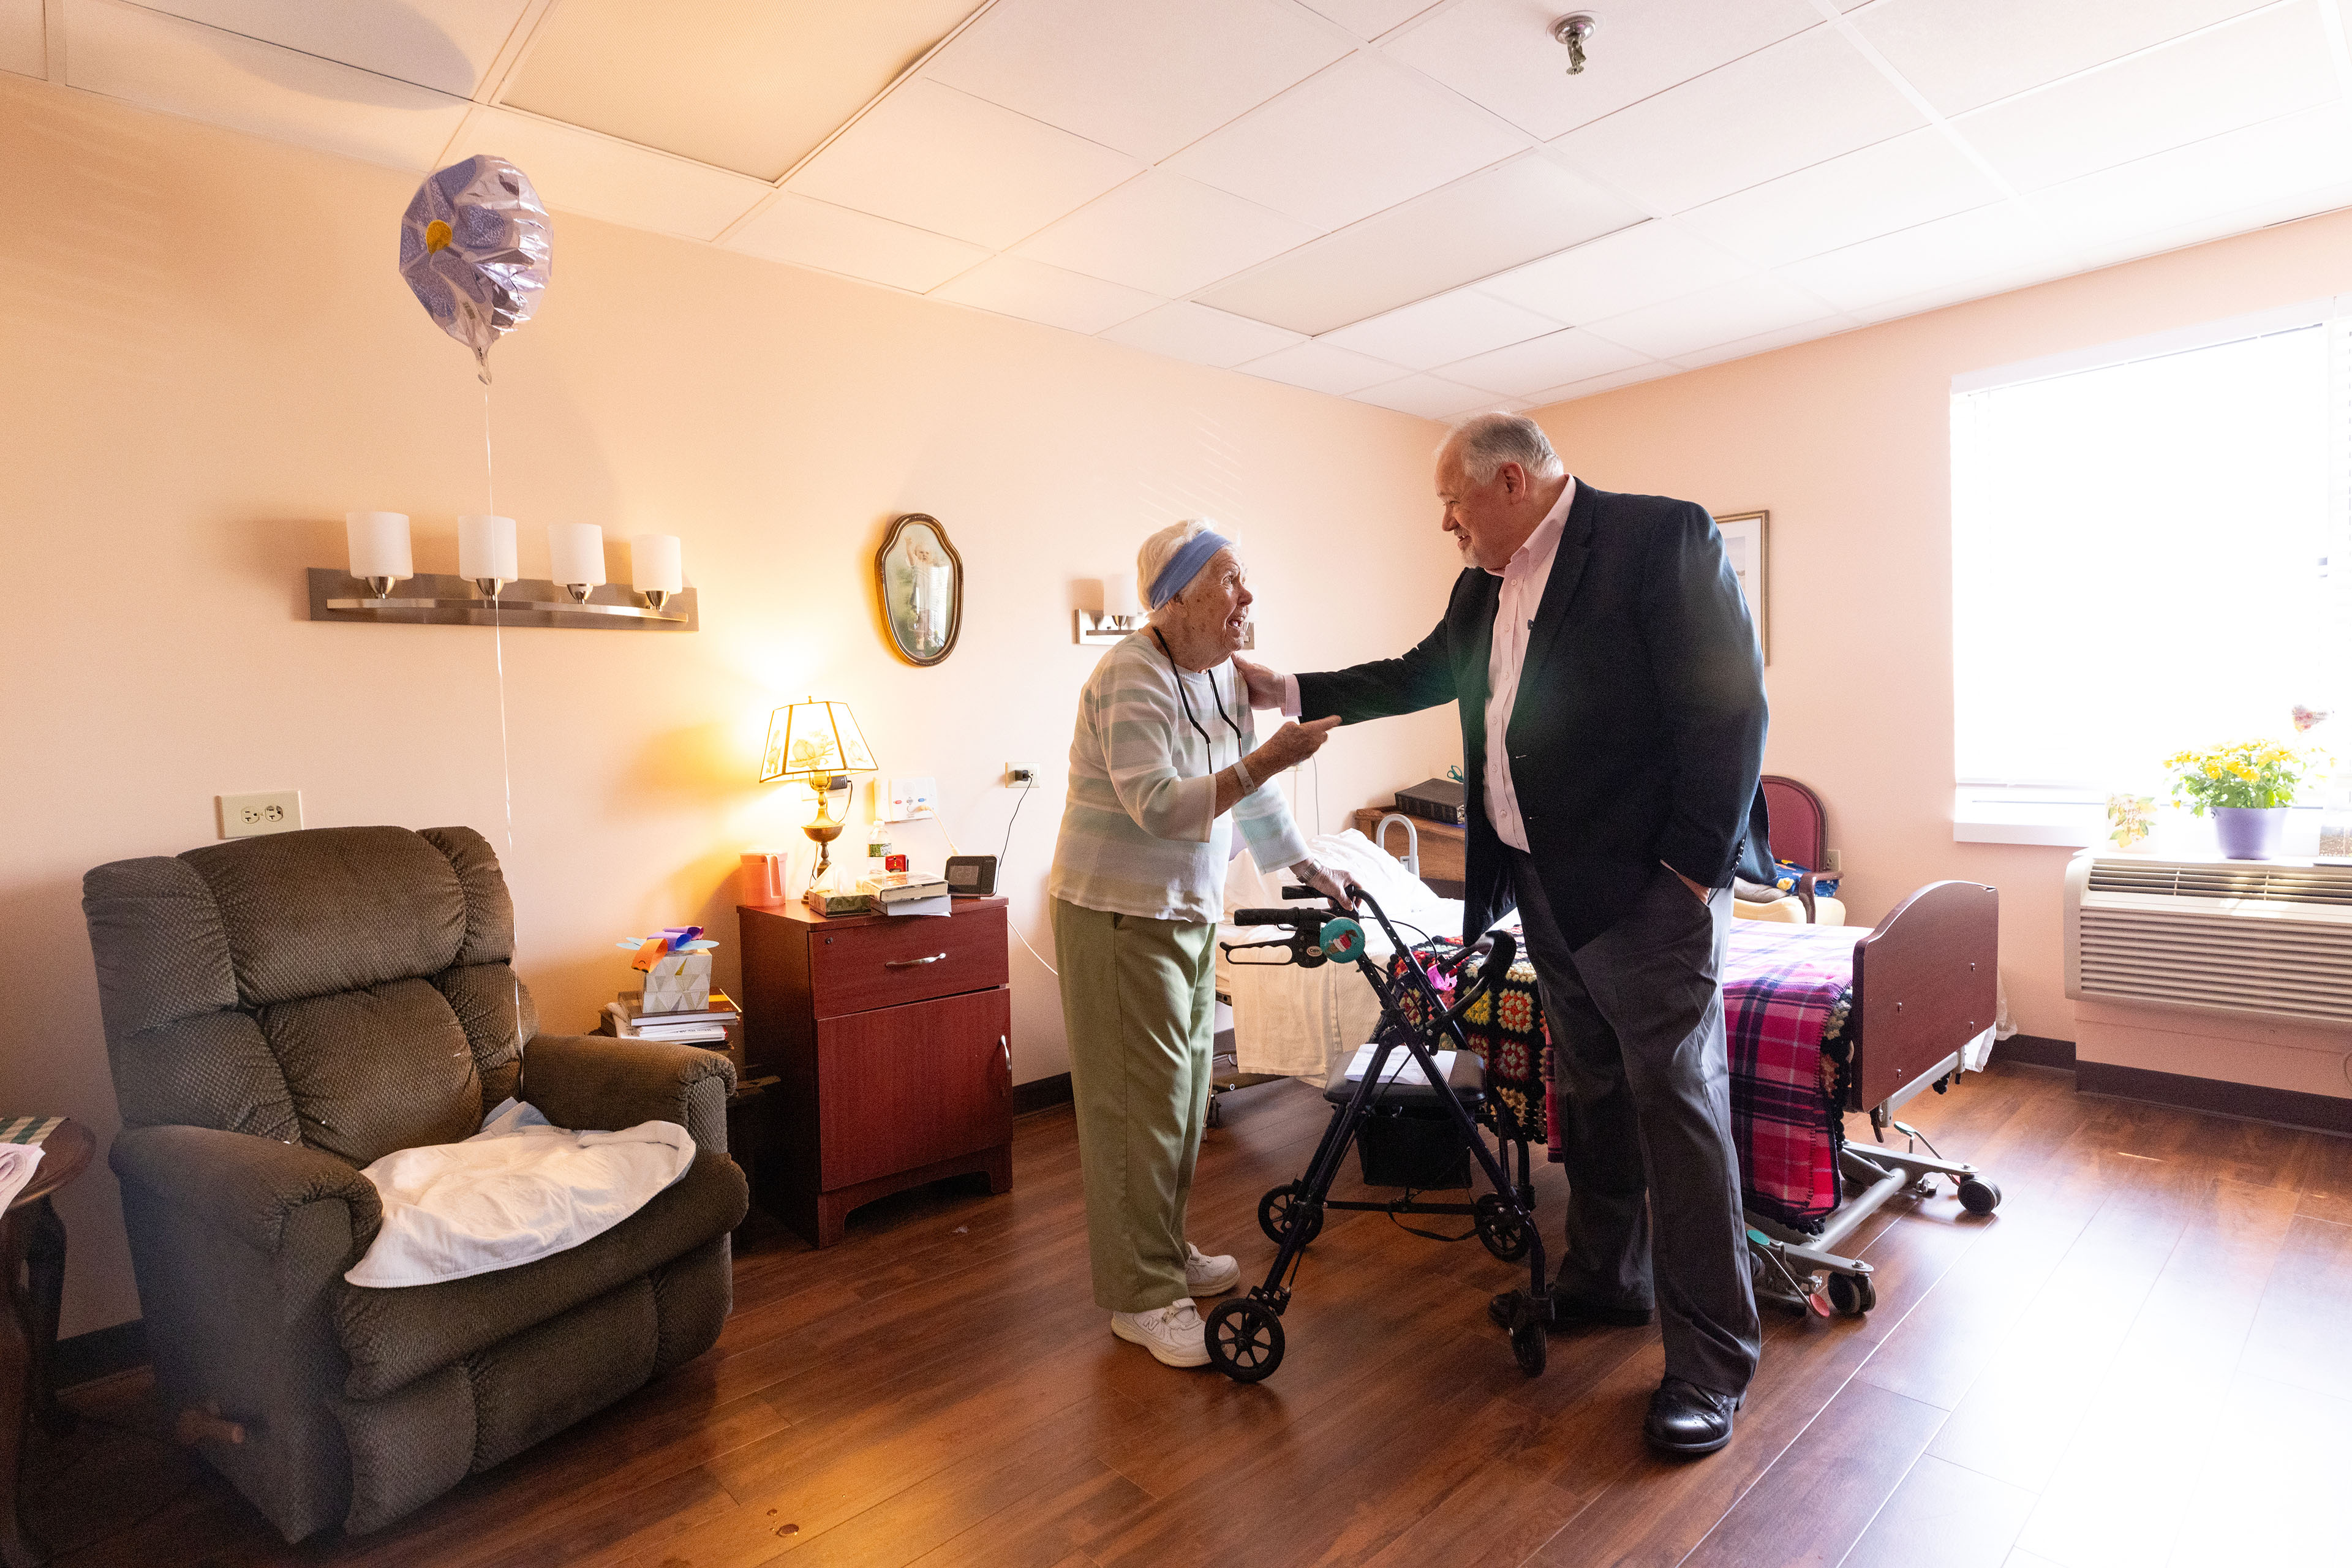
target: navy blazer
<point>1638,734</point>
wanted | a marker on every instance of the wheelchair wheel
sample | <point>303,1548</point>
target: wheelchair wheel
<point>1530,1342</point>
<point>1851,1294</point>
<point>1245,1338</point>
<point>1980,1197</point>
<point>1500,1229</point>
<point>1274,1209</point>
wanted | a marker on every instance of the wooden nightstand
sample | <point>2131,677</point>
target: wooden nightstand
<point>893,1038</point>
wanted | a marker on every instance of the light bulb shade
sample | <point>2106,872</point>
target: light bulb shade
<point>1119,597</point>
<point>378,544</point>
<point>813,741</point>
<point>576,552</point>
<point>486,548</point>
<point>657,563</point>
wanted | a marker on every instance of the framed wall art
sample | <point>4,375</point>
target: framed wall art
<point>921,581</point>
<point>1744,547</point>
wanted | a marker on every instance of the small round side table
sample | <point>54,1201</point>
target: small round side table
<point>33,1255</point>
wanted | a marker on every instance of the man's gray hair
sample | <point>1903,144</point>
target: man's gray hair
<point>1487,441</point>
<point>1161,549</point>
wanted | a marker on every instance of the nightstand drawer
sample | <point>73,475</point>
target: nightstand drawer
<point>886,964</point>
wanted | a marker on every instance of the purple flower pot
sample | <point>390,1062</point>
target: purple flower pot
<point>2248,833</point>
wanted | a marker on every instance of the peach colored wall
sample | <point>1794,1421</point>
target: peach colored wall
<point>210,357</point>
<point>1846,441</point>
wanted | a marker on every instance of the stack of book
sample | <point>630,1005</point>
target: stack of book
<point>907,893</point>
<point>705,1026</point>
<point>1434,800</point>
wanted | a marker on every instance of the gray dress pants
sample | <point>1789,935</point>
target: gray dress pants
<point>1654,1211</point>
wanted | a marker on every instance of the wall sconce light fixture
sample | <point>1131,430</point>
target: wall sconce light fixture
<point>378,542</point>
<point>656,567</point>
<point>489,587</point>
<point>576,552</point>
<point>486,553</point>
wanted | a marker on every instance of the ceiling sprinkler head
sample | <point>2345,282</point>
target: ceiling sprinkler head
<point>1572,31</point>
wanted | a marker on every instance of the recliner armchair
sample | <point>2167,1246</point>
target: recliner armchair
<point>282,1010</point>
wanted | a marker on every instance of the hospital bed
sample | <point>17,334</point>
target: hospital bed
<point>1822,1021</point>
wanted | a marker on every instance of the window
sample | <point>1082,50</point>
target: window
<point>2141,541</point>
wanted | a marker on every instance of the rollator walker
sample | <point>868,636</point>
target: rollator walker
<point>1244,1332</point>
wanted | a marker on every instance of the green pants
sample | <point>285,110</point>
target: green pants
<point>1138,1000</point>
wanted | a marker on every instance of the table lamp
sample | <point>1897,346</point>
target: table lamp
<point>819,744</point>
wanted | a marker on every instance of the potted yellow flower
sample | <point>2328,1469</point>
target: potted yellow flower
<point>2247,786</point>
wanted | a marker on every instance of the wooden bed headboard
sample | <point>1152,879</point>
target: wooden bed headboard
<point>1924,986</point>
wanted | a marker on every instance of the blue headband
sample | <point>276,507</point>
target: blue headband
<point>1185,566</point>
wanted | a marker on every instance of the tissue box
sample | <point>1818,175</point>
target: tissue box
<point>678,983</point>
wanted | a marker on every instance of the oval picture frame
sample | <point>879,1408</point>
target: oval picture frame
<point>920,577</point>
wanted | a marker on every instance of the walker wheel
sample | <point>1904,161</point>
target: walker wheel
<point>1501,1229</point>
<point>1245,1338</point>
<point>1851,1294</point>
<point>1528,1340</point>
<point>1978,1196</point>
<point>1274,1209</point>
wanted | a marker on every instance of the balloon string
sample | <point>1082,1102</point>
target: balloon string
<point>499,653</point>
<point>489,468</point>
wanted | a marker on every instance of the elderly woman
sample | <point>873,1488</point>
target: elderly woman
<point>1164,765</point>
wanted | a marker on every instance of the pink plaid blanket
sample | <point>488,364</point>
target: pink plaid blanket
<point>1785,993</point>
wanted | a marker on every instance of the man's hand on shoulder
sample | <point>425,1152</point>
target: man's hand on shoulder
<point>1265,687</point>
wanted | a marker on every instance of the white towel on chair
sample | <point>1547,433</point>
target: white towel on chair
<point>518,1190</point>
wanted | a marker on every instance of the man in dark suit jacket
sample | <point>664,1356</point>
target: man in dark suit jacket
<point>1613,729</point>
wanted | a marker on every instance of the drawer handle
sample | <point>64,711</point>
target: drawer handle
<point>910,963</point>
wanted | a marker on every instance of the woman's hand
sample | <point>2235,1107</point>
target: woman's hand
<point>1289,746</point>
<point>1327,883</point>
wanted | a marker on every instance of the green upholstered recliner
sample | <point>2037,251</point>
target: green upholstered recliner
<point>283,1011</point>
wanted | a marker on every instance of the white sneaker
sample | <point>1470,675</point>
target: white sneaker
<point>1207,1276</point>
<point>1172,1332</point>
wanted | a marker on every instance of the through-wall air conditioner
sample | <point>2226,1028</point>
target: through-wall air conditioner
<point>2268,937</point>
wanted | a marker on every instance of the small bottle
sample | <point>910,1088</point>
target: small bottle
<point>877,848</point>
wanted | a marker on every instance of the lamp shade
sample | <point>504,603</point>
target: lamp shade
<point>486,548</point>
<point>576,552</point>
<point>378,544</point>
<point>657,564</point>
<point>1118,596</point>
<point>811,739</point>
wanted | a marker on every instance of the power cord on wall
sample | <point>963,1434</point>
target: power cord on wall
<point>955,848</point>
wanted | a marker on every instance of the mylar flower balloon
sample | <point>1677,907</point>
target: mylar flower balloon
<point>474,245</point>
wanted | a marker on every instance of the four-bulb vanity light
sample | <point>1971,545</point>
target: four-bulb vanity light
<point>487,559</point>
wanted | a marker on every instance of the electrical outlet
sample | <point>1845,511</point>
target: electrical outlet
<point>912,798</point>
<point>1019,775</point>
<point>251,815</point>
<point>1833,867</point>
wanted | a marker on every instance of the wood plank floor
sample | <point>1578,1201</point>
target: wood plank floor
<point>2142,1358</point>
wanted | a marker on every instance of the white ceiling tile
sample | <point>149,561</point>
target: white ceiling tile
<point>1357,138</point>
<point>1166,233</point>
<point>184,67</point>
<point>1036,293</point>
<point>1201,335</point>
<point>1441,330</point>
<point>1765,342</point>
<point>1526,369</point>
<point>1370,18</point>
<point>2269,162</point>
<point>1963,53</point>
<point>581,171</point>
<point>1500,52</point>
<point>944,161</point>
<point>1470,229</point>
<point>1723,314</point>
<point>445,45</point>
<point>1910,179</point>
<point>2248,72</point>
<point>1943,253</point>
<point>1432,397</point>
<point>1617,273</point>
<point>1146,79</point>
<point>1610,383</point>
<point>24,44</point>
<point>1320,367</point>
<point>1784,108</point>
<point>818,234</point>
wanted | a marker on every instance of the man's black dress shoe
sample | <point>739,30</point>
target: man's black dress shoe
<point>1687,1419</point>
<point>1567,1314</point>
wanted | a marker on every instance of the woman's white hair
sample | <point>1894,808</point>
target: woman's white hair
<point>1487,441</point>
<point>1161,549</point>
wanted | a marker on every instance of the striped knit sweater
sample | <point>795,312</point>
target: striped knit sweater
<point>1138,836</point>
